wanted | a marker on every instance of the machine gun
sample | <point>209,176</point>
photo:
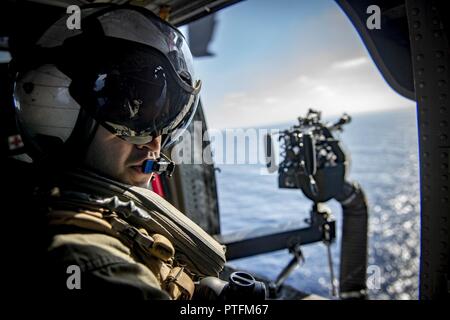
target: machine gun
<point>314,162</point>
<point>313,159</point>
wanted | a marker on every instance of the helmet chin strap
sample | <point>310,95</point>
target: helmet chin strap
<point>81,138</point>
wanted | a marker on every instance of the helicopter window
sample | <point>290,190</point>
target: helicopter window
<point>273,61</point>
<point>5,56</point>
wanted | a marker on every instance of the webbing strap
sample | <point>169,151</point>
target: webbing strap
<point>176,282</point>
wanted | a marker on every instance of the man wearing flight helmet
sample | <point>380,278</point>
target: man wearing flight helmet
<point>95,107</point>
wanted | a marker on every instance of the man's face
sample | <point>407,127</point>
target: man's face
<point>119,159</point>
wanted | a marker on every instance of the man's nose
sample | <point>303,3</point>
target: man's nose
<point>154,145</point>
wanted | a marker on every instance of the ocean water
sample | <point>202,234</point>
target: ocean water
<point>384,161</point>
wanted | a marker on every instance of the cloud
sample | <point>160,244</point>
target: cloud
<point>235,95</point>
<point>271,100</point>
<point>351,63</point>
<point>331,90</point>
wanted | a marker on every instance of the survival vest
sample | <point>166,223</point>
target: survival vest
<point>175,248</point>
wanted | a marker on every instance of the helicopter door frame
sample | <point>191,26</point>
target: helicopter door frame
<point>431,62</point>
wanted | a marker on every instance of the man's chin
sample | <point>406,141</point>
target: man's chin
<point>138,179</point>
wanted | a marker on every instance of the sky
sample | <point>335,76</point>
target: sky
<point>275,59</point>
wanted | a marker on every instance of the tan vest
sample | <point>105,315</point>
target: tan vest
<point>155,251</point>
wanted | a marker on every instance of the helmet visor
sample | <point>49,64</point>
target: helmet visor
<point>133,91</point>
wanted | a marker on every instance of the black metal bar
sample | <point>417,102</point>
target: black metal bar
<point>250,243</point>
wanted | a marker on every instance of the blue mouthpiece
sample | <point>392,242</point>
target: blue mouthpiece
<point>163,165</point>
<point>148,166</point>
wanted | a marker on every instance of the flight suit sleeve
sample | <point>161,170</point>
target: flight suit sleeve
<point>97,265</point>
